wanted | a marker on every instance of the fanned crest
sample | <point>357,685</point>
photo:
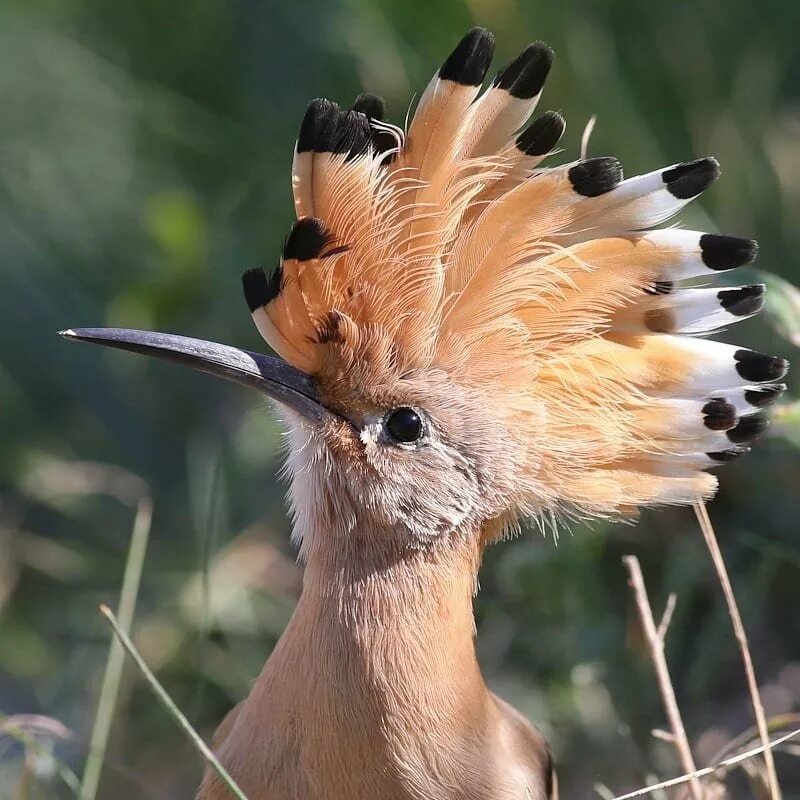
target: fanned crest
<point>548,290</point>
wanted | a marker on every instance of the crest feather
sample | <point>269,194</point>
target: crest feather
<point>547,290</point>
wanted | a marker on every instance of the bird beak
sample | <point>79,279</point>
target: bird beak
<point>271,376</point>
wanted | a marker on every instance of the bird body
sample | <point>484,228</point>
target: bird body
<point>466,338</point>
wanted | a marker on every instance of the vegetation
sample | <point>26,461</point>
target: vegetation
<point>144,160</point>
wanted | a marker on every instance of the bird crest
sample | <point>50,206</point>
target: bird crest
<point>550,294</point>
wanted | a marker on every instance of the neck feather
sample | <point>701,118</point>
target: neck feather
<point>384,640</point>
<point>376,671</point>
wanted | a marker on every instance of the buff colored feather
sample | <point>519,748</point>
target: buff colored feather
<point>546,289</point>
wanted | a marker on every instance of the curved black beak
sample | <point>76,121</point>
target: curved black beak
<point>271,376</point>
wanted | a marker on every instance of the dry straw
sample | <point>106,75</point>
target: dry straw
<point>744,649</point>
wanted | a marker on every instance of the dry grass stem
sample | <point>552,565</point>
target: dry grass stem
<point>778,723</point>
<point>168,703</point>
<point>741,638</point>
<point>655,643</point>
<point>666,617</point>
<point>109,690</point>
<point>587,134</point>
<point>702,773</point>
<point>665,736</point>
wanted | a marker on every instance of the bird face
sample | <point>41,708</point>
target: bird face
<point>411,458</point>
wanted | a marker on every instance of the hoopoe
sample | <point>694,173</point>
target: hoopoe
<point>466,339</point>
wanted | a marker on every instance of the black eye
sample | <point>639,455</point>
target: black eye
<point>404,425</point>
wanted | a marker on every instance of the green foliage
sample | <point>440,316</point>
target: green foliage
<point>144,160</point>
<point>783,307</point>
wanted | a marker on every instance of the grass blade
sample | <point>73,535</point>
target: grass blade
<point>116,655</point>
<point>168,703</point>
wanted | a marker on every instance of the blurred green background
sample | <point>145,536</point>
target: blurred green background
<point>144,164</point>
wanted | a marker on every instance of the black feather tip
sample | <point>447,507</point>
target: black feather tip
<point>743,301</point>
<point>689,179</point>
<point>370,105</point>
<point>747,429</point>
<point>306,240</point>
<point>468,63</point>
<point>542,135</point>
<point>595,176</point>
<point>259,289</point>
<point>353,134</point>
<point>524,77</point>
<point>318,124</point>
<point>718,414</point>
<point>753,366</point>
<point>327,129</point>
<point>763,396</point>
<point>727,252</point>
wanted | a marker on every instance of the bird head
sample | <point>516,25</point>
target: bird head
<point>467,337</point>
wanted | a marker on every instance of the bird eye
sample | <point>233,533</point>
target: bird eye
<point>404,425</point>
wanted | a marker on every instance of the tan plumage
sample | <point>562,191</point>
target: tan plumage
<point>542,277</point>
<point>530,321</point>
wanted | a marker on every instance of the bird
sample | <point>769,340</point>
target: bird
<point>465,338</point>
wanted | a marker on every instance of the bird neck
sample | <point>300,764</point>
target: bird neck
<point>374,683</point>
<point>409,592</point>
<point>378,642</point>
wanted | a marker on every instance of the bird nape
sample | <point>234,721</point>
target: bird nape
<point>467,338</point>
